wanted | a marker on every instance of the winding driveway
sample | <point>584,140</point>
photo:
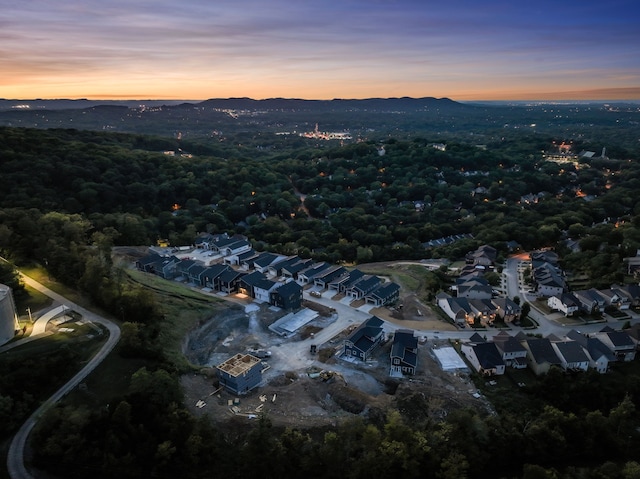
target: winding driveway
<point>15,457</point>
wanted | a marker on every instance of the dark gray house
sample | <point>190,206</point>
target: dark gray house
<point>404,353</point>
<point>288,296</point>
<point>386,293</point>
<point>363,341</point>
<point>240,373</point>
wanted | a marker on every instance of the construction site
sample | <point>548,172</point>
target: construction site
<point>303,379</point>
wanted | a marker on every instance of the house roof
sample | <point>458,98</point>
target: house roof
<point>488,355</point>
<point>385,290</point>
<point>363,338</point>
<point>331,273</point>
<point>315,270</point>
<point>476,338</point>
<point>354,276</point>
<point>196,269</point>
<point>289,289</point>
<point>484,306</point>
<point>460,304</point>
<point>295,266</point>
<point>506,305</point>
<point>247,254</point>
<point>620,339</point>
<point>215,270</point>
<point>510,345</point>
<point>542,351</point>
<point>230,275</point>
<point>366,284</point>
<point>404,344</point>
<point>572,352</point>
<point>265,259</point>
<point>253,278</point>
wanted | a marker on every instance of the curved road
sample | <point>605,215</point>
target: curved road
<point>15,457</point>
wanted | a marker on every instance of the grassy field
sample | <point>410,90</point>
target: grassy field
<point>183,310</point>
<point>411,277</point>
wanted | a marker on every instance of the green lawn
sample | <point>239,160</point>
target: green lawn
<point>183,309</point>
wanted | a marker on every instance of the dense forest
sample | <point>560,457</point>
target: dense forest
<point>359,205</point>
<point>69,196</point>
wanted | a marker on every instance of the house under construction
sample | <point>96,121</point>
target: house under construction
<point>240,373</point>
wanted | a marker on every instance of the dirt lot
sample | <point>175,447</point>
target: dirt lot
<point>290,397</point>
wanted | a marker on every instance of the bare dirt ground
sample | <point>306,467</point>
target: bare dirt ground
<point>290,397</point>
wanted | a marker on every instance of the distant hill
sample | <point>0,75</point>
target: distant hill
<point>64,104</point>
<point>404,103</point>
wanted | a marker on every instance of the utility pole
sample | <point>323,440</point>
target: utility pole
<point>29,311</point>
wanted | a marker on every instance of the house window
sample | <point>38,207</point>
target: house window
<point>396,361</point>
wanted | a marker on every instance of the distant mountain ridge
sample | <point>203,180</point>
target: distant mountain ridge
<point>405,103</point>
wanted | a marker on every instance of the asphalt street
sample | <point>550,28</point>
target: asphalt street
<point>15,458</point>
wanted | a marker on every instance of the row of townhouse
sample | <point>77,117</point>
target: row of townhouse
<point>593,301</point>
<point>575,352</point>
<point>225,279</point>
<point>549,282</point>
<point>465,311</point>
<point>226,276</point>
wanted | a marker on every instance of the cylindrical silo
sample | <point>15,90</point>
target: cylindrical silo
<point>8,318</point>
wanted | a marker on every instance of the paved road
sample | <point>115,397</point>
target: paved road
<point>15,457</point>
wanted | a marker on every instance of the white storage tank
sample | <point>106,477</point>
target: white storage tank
<point>8,318</point>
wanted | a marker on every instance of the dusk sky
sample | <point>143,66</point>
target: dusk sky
<point>198,49</point>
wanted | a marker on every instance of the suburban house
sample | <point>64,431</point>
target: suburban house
<point>634,334</point>
<point>276,268</point>
<point>236,247</point>
<point>548,280</point>
<point>328,275</point>
<point>475,288</point>
<point>210,276</point>
<point>567,303</point>
<point>616,297</point>
<point>256,285</point>
<point>599,355</point>
<point>288,296</point>
<point>290,268</point>
<point>483,310</point>
<point>620,344</point>
<point>485,255</point>
<point>538,258</point>
<point>265,260</point>
<point>245,260</point>
<point>572,356</point>
<point>194,273</point>
<point>235,259</point>
<point>514,354</point>
<point>363,341</point>
<point>240,373</point>
<point>344,282</point>
<point>484,357</point>
<point>163,266</point>
<point>541,355</point>
<point>364,286</point>
<point>182,267</point>
<point>404,353</point>
<point>507,309</point>
<point>224,244</point>
<point>307,275</point>
<point>633,264</point>
<point>458,309</point>
<point>229,281</point>
<point>386,293</point>
<point>591,301</point>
